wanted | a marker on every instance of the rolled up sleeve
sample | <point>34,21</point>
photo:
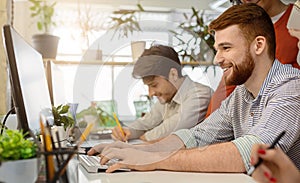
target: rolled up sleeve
<point>244,145</point>
<point>187,138</point>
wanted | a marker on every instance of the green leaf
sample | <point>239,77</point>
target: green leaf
<point>14,146</point>
<point>125,21</point>
<point>40,26</point>
<point>61,118</point>
<point>44,12</point>
<point>140,7</point>
<point>64,109</point>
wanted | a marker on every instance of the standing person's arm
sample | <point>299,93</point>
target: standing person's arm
<point>296,33</point>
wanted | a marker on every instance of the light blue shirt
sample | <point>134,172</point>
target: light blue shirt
<point>246,120</point>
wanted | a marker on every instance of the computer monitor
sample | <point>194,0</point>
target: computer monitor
<point>28,81</point>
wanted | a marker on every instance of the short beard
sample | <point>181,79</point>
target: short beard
<point>241,72</point>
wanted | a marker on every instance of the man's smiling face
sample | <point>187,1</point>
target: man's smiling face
<point>160,87</point>
<point>233,55</point>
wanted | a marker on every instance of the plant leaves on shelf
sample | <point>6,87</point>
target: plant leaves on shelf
<point>199,42</point>
<point>125,22</point>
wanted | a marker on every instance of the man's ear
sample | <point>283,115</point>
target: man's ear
<point>260,44</point>
<point>173,75</point>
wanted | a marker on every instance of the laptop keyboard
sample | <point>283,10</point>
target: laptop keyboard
<point>92,163</point>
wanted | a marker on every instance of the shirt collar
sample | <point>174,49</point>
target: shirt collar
<point>248,96</point>
<point>182,90</point>
<point>274,68</point>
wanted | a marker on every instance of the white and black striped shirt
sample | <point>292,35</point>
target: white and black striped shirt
<point>245,120</point>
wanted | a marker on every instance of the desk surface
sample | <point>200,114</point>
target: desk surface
<point>161,176</point>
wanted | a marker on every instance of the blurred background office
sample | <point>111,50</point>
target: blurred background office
<point>97,39</point>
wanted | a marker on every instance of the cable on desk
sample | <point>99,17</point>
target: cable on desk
<point>5,118</point>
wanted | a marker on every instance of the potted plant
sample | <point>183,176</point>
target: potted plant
<point>61,117</point>
<point>62,121</point>
<point>44,43</point>
<point>18,157</point>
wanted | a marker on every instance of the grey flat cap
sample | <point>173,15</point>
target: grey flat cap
<point>154,65</point>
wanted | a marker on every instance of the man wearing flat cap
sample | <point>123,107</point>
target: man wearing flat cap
<point>182,102</point>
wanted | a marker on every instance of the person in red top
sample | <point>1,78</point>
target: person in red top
<point>218,96</point>
<point>286,45</point>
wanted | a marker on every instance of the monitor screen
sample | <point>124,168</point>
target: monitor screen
<point>28,80</point>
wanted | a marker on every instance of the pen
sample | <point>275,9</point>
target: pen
<point>119,125</point>
<point>252,168</point>
<point>85,133</point>
<point>49,148</point>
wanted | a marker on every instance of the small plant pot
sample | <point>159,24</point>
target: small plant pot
<point>46,45</point>
<point>137,48</point>
<point>63,136</point>
<point>25,171</point>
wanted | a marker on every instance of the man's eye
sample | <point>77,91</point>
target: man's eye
<point>225,48</point>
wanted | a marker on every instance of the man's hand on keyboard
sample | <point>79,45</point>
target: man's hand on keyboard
<point>132,159</point>
<point>100,147</point>
<point>169,144</point>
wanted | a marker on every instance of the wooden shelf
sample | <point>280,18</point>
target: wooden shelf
<point>114,63</point>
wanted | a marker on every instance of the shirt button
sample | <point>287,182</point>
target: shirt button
<point>252,114</point>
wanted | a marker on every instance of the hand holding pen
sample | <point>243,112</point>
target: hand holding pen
<point>119,133</point>
<point>276,166</point>
<point>261,151</point>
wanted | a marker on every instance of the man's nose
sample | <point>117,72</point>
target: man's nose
<point>218,59</point>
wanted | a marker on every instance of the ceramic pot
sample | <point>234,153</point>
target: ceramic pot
<point>63,136</point>
<point>46,45</point>
<point>25,171</point>
<point>137,48</point>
